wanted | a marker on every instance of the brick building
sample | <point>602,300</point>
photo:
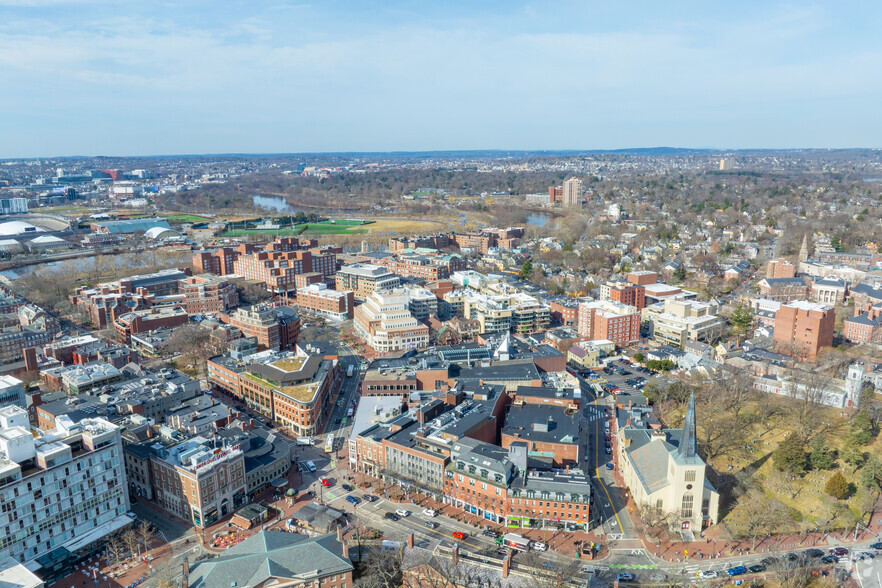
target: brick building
<point>208,294</point>
<point>322,300</point>
<point>620,323</point>
<point>803,328</point>
<point>271,327</point>
<point>865,326</point>
<point>565,312</point>
<point>624,292</point>
<point>198,482</point>
<point>549,431</point>
<point>783,289</point>
<point>780,268</point>
<point>140,321</point>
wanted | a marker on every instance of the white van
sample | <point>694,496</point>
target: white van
<point>310,466</point>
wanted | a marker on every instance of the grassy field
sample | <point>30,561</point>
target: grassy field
<point>280,232</point>
<point>407,226</point>
<point>188,218</point>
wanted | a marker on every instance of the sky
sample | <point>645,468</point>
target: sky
<point>120,77</point>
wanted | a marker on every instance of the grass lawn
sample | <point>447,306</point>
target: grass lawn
<point>187,218</point>
<point>407,226</point>
<point>280,232</point>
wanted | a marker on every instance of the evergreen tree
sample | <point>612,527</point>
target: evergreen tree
<point>790,455</point>
<point>820,457</point>
<point>837,486</point>
<point>526,270</point>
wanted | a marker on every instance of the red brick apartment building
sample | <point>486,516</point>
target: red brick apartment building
<point>780,268</point>
<point>605,319</point>
<point>803,328</point>
<point>208,294</point>
<point>628,293</point>
<point>565,312</point>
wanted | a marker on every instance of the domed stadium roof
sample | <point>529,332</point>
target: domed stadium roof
<point>12,228</point>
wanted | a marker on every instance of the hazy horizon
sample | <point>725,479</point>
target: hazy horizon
<point>94,77</point>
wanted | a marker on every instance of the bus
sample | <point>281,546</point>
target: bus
<point>350,370</point>
<point>329,444</point>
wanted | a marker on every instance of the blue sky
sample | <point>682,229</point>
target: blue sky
<point>118,77</point>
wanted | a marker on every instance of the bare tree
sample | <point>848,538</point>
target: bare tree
<point>758,515</point>
<point>145,532</point>
<point>382,569</point>
<point>656,521</point>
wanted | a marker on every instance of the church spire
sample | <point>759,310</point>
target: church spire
<point>688,446</point>
<point>803,251</point>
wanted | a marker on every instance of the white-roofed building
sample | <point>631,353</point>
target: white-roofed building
<point>48,243</point>
<point>15,228</point>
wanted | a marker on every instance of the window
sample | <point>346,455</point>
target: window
<point>690,475</point>
<point>686,511</point>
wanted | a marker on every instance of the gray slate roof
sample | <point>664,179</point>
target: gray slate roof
<point>271,554</point>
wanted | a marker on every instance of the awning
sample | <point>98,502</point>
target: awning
<point>280,482</point>
<point>99,532</point>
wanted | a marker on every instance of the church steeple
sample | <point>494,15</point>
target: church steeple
<point>803,251</point>
<point>688,446</point>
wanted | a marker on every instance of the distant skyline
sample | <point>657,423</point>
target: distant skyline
<point>120,77</point>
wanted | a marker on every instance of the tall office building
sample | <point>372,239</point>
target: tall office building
<point>572,192</point>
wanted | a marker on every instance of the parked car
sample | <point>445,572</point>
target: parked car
<point>352,499</point>
<point>609,465</point>
<point>830,559</point>
<point>459,535</point>
<point>625,577</point>
<point>431,524</point>
<point>369,497</point>
<point>402,512</point>
<point>608,451</point>
<point>587,570</point>
<point>876,546</point>
<point>491,533</point>
<point>327,483</point>
<point>813,553</point>
<point>430,513</point>
<point>392,516</point>
<point>708,575</point>
<point>865,555</point>
<point>839,551</point>
<point>756,568</point>
<point>347,487</point>
<point>736,571</point>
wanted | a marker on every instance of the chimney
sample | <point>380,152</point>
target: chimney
<point>185,580</point>
<point>629,404</point>
<point>339,533</point>
<point>30,357</point>
<point>410,540</point>
<point>505,564</point>
<point>454,554</point>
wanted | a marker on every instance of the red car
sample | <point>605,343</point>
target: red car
<point>326,483</point>
<point>459,534</point>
